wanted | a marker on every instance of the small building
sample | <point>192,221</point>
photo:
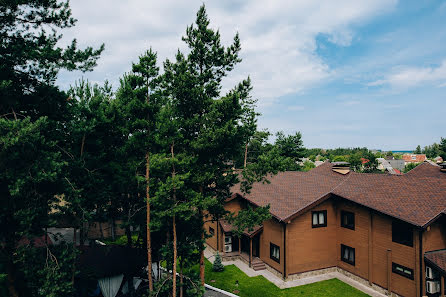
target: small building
<point>414,158</point>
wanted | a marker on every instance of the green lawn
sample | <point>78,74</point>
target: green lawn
<point>260,287</point>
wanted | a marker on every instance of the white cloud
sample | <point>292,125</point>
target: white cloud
<point>406,77</point>
<point>278,37</point>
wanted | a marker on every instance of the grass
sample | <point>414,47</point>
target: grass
<point>259,286</point>
<point>121,240</point>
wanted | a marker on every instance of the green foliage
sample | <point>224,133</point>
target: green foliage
<point>35,132</point>
<point>248,218</point>
<point>290,146</point>
<point>29,56</point>
<point>340,159</point>
<point>47,270</point>
<point>308,166</point>
<point>217,266</point>
<point>417,150</point>
<point>442,148</point>
<point>410,166</point>
<point>121,240</point>
<point>30,166</point>
<point>3,284</point>
<point>268,163</point>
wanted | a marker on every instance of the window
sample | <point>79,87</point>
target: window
<point>402,233</point>
<point>211,231</point>
<point>348,220</point>
<point>274,252</point>
<point>319,218</point>
<point>402,270</point>
<point>348,254</point>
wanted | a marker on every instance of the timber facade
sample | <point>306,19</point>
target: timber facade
<point>386,231</point>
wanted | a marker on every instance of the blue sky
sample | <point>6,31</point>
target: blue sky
<point>344,73</point>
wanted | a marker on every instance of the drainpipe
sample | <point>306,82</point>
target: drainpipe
<point>218,246</point>
<point>389,271</point>
<point>420,238</point>
<point>442,286</point>
<point>284,250</point>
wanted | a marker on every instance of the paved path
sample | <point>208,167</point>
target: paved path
<point>210,293</point>
<point>279,282</point>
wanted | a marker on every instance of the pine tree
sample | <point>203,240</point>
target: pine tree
<point>34,117</point>
<point>218,266</point>
<point>418,150</point>
<point>442,148</point>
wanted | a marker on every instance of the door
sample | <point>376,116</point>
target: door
<point>256,246</point>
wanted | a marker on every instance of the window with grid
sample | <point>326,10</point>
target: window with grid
<point>402,270</point>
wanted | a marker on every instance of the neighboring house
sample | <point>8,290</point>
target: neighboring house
<point>385,165</point>
<point>414,158</point>
<point>386,231</point>
<point>438,160</point>
<point>397,164</point>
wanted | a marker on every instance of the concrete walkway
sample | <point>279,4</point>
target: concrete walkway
<point>279,282</point>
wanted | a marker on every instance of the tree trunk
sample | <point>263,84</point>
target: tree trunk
<point>128,234</point>
<point>82,145</point>
<point>174,230</point>
<point>81,234</point>
<point>181,276</point>
<point>246,155</point>
<point>113,231</point>
<point>11,280</point>
<point>202,252</point>
<point>73,272</point>
<point>174,270</point>
<point>149,242</point>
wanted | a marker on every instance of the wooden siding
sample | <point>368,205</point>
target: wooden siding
<point>311,248</point>
<point>272,233</point>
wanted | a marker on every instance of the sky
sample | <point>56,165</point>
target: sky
<point>344,73</point>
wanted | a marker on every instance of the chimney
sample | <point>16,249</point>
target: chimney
<point>341,167</point>
<point>443,167</point>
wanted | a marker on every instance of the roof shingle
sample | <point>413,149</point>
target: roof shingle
<point>417,198</point>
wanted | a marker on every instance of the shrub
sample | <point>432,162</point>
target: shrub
<point>218,267</point>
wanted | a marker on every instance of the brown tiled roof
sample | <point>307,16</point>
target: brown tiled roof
<point>418,158</point>
<point>417,198</point>
<point>438,258</point>
<point>426,170</point>
<point>227,227</point>
<point>409,198</point>
<point>291,191</point>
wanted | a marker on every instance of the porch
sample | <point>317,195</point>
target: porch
<point>246,247</point>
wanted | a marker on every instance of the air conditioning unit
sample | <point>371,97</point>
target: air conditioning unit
<point>228,248</point>
<point>431,273</point>
<point>432,287</point>
<point>228,239</point>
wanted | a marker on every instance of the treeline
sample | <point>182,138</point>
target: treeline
<point>158,154</point>
<point>433,150</point>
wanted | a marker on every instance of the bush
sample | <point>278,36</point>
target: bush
<point>218,267</point>
<point>3,284</point>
